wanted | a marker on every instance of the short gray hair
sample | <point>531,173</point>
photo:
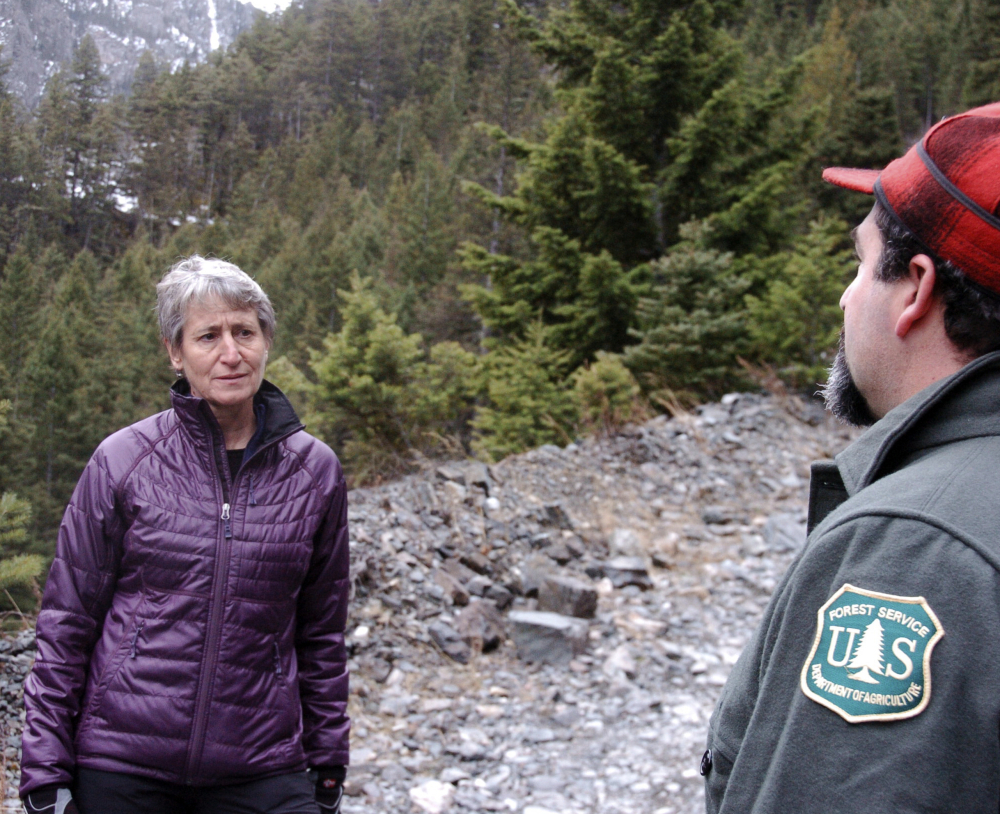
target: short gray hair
<point>198,279</point>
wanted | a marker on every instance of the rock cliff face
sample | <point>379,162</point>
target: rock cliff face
<point>39,35</point>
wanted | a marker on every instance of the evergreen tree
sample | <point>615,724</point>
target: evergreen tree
<point>80,139</point>
<point>377,396</point>
<point>529,401</point>
<point>794,325</point>
<point>20,564</point>
<point>586,301</point>
<point>607,393</point>
<point>19,572</point>
<point>21,299</point>
<point>692,327</point>
<point>981,61</point>
<point>661,126</point>
<point>18,170</point>
<point>66,425</point>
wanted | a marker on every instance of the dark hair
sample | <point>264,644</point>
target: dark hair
<point>971,312</point>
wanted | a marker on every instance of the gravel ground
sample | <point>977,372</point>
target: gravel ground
<point>713,504</point>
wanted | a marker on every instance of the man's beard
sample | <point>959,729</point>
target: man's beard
<point>841,394</point>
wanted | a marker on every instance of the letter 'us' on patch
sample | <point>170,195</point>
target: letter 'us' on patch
<point>871,658</point>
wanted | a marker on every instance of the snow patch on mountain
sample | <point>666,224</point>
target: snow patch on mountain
<point>38,36</point>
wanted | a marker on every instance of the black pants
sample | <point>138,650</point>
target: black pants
<point>115,793</point>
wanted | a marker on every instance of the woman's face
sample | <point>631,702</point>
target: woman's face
<point>222,354</point>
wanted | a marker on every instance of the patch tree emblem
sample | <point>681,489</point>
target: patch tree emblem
<point>871,660</point>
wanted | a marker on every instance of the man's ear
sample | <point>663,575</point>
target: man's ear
<point>921,275</point>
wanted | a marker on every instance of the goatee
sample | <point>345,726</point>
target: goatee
<point>841,394</point>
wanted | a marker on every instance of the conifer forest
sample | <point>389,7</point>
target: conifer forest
<point>485,224</point>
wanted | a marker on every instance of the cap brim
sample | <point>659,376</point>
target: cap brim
<point>858,180</point>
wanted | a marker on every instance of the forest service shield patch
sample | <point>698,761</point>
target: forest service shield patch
<point>871,660</point>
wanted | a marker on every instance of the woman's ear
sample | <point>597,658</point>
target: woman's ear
<point>175,357</point>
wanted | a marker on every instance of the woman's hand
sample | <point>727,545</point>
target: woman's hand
<point>52,800</point>
<point>330,788</point>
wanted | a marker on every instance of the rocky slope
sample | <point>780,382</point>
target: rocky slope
<point>474,685</point>
<point>39,35</point>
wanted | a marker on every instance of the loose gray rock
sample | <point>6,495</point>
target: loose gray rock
<point>549,638</point>
<point>568,596</point>
<point>555,515</point>
<point>784,532</point>
<point>625,542</point>
<point>479,585</point>
<point>454,589</point>
<point>534,571</point>
<point>499,596</point>
<point>624,571</point>
<point>450,642</point>
<point>481,626</point>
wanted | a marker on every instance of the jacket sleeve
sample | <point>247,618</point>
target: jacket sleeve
<point>319,640</point>
<point>775,749</point>
<point>77,595</point>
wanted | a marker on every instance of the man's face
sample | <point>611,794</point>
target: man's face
<point>856,388</point>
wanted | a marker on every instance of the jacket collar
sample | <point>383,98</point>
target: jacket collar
<point>275,415</point>
<point>961,406</point>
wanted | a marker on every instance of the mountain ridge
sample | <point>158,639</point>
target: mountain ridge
<point>39,36</point>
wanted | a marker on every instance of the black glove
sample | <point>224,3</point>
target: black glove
<point>50,800</point>
<point>330,788</point>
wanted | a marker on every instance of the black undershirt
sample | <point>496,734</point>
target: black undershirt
<point>235,460</point>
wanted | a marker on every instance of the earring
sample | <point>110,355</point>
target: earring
<point>179,374</point>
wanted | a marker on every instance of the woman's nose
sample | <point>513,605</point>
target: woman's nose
<point>230,350</point>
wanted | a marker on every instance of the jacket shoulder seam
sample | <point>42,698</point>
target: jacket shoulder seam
<point>302,462</point>
<point>993,558</point>
<point>147,451</point>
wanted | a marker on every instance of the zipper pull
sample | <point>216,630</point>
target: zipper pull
<point>253,498</point>
<point>225,516</point>
<point>135,638</point>
<point>277,659</point>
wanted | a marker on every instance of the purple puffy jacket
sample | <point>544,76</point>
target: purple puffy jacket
<point>192,628</point>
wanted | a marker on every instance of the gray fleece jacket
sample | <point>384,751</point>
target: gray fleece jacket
<point>872,683</point>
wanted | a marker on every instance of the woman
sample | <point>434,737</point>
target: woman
<point>190,642</point>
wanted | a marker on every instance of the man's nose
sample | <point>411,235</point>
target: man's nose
<point>843,297</point>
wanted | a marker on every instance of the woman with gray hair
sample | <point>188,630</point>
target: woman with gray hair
<point>191,638</point>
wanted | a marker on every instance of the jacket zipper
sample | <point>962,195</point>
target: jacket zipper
<point>221,571</point>
<point>277,658</point>
<point>215,615</point>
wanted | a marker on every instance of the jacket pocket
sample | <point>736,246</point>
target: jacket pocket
<point>716,766</point>
<point>128,646</point>
<point>287,693</point>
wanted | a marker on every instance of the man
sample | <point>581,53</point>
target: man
<point>873,681</point>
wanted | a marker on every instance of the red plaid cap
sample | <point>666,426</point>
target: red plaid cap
<point>946,190</point>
